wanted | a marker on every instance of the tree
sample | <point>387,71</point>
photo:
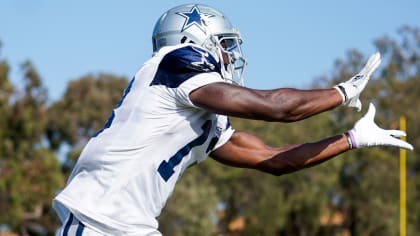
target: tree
<point>29,172</point>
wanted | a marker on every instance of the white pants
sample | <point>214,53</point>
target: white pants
<point>73,227</point>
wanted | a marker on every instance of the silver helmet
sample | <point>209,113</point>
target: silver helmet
<point>205,26</point>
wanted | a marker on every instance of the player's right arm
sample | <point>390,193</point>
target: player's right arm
<point>247,151</point>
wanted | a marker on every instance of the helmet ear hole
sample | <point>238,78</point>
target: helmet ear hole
<point>184,39</point>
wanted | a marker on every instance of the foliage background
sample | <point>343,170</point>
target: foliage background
<point>356,193</point>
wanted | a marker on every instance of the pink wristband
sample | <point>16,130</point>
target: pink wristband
<point>351,140</point>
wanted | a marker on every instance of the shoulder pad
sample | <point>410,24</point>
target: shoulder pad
<point>183,63</point>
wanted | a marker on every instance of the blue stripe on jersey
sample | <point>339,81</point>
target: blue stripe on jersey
<point>166,169</point>
<point>212,143</point>
<point>227,123</point>
<point>80,227</point>
<point>183,63</point>
<point>214,140</point>
<point>67,226</point>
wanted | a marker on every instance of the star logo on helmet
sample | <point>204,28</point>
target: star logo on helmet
<point>194,17</point>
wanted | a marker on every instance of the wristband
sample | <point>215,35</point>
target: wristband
<point>350,140</point>
<point>344,92</point>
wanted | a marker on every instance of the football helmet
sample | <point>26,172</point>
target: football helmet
<point>207,27</point>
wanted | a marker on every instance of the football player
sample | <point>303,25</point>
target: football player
<point>175,113</point>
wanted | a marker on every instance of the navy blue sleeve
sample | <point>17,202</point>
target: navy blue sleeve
<point>182,64</point>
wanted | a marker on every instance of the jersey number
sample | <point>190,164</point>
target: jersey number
<point>112,116</point>
<point>166,168</point>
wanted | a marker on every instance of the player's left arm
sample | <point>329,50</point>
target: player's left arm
<point>283,104</point>
<point>247,151</point>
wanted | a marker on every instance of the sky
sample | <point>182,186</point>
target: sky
<point>288,43</point>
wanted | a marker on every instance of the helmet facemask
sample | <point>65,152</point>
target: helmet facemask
<point>228,51</point>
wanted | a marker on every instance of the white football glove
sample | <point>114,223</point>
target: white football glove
<point>351,89</point>
<point>366,133</point>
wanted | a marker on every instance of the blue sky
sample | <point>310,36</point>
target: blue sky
<point>287,43</point>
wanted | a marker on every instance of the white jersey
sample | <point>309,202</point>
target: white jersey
<point>127,171</point>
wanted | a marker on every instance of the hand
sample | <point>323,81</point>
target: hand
<point>366,133</point>
<point>351,89</point>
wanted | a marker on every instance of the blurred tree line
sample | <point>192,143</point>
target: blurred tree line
<point>354,194</point>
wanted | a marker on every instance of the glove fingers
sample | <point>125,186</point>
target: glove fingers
<point>374,60</point>
<point>370,115</point>
<point>374,67</point>
<point>363,77</point>
<point>371,65</point>
<point>396,133</point>
<point>399,143</point>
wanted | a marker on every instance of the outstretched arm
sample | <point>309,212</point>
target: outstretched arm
<point>283,104</point>
<point>247,151</point>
